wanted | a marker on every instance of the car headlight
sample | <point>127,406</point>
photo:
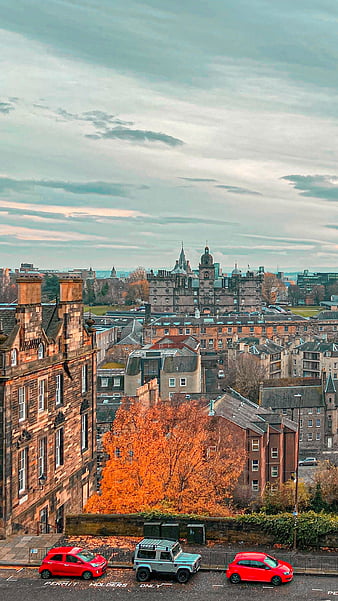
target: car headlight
<point>286,573</point>
<point>95,565</point>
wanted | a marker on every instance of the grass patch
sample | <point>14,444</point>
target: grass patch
<point>306,311</point>
<point>102,309</point>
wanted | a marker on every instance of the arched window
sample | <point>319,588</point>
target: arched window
<point>14,357</point>
<point>206,275</point>
<point>41,351</point>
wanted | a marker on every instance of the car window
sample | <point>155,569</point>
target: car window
<point>259,564</point>
<point>57,557</point>
<point>176,549</point>
<point>72,559</point>
<point>245,562</point>
<point>86,555</point>
<point>271,561</point>
<point>146,554</point>
<point>166,555</point>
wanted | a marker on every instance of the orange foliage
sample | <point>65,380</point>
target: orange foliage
<point>171,457</point>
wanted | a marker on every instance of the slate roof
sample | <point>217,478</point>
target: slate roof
<point>326,316</point>
<point>283,397</point>
<point>50,321</point>
<point>105,412</point>
<point>131,333</point>
<point>330,387</point>
<point>318,346</point>
<point>268,348</point>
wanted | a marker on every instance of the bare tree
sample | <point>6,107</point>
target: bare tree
<point>244,374</point>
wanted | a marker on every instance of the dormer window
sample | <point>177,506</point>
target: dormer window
<point>14,357</point>
<point>41,351</point>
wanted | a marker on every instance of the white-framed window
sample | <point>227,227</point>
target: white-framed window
<point>284,411</point>
<point>255,444</point>
<point>274,471</point>
<point>42,457</point>
<point>104,382</point>
<point>329,442</point>
<point>166,331</point>
<point>14,357</point>
<point>309,436</point>
<point>300,436</point>
<point>172,382</point>
<point>41,351</point>
<point>310,411</point>
<point>183,381</point>
<point>317,435</point>
<point>211,451</point>
<point>255,485</point>
<point>274,452</point>
<point>59,447</point>
<point>318,410</point>
<point>317,423</point>
<point>84,431</point>
<point>84,378</point>
<point>220,343</point>
<point>22,469</point>
<point>22,403</point>
<point>187,330</point>
<point>310,423</point>
<point>41,395</point>
<point>58,389</point>
<point>117,382</point>
<point>254,465</point>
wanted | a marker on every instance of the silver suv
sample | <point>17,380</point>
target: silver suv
<point>165,557</point>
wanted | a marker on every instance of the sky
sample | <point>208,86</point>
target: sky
<point>129,127</point>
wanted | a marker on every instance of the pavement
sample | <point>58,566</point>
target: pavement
<point>29,550</point>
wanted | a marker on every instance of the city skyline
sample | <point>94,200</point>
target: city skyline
<point>127,128</point>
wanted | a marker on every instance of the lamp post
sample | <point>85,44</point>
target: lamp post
<point>295,511</point>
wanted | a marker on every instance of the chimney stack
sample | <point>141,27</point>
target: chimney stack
<point>29,289</point>
<point>71,290</point>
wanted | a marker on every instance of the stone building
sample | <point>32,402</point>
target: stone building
<point>47,408</point>
<point>207,291</point>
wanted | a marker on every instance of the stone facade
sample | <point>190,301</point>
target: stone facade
<point>47,408</point>
<point>208,291</point>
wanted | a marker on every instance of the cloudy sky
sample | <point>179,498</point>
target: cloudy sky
<point>129,126</point>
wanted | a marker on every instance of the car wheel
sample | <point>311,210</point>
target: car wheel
<point>45,574</point>
<point>183,576</point>
<point>276,581</point>
<point>235,578</point>
<point>142,575</point>
<point>87,575</point>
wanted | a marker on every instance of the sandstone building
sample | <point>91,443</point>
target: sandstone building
<point>47,408</point>
<point>207,291</point>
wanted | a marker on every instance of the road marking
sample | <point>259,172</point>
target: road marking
<point>267,586</point>
<point>218,585</point>
<point>317,589</point>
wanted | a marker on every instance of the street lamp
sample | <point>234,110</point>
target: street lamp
<point>295,511</point>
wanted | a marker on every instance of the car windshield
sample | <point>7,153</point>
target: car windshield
<point>271,561</point>
<point>176,550</point>
<point>86,555</point>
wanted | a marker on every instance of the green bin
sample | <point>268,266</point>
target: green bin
<point>196,534</point>
<point>152,529</point>
<point>170,531</point>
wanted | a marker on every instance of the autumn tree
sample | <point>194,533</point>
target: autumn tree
<point>245,373</point>
<point>172,457</point>
<point>272,288</point>
<point>326,476</point>
<point>294,294</point>
<point>137,287</point>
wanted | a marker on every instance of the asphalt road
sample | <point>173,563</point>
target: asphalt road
<point>25,585</point>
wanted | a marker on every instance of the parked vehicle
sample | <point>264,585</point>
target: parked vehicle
<point>308,461</point>
<point>165,557</point>
<point>221,373</point>
<point>258,567</point>
<point>72,561</point>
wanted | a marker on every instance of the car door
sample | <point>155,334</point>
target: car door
<point>73,566</point>
<point>260,571</point>
<point>165,562</point>
<point>243,568</point>
<point>55,564</point>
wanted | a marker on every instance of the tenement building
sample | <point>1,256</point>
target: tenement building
<point>47,408</point>
<point>182,290</point>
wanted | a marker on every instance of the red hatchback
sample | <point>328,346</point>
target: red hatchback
<point>259,567</point>
<point>72,561</point>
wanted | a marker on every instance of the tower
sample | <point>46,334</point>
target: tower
<point>206,274</point>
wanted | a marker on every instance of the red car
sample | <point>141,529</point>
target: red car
<point>72,561</point>
<point>259,567</point>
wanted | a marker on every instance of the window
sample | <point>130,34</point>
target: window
<point>84,431</point>
<point>180,330</point>
<point>14,357</point>
<point>72,559</point>
<point>187,330</point>
<point>166,331</point>
<point>300,423</point>
<point>310,411</point>
<point>58,389</point>
<point>211,342</point>
<point>41,395</point>
<point>309,423</point>
<point>254,485</point>
<point>229,330</point>
<point>317,423</point>
<point>104,382</point>
<point>203,330</point>
<point>318,410</point>
<point>22,470</point>
<point>203,343</point>
<point>42,457</point>
<point>300,436</point>
<point>274,452</point>
<point>183,381</point>
<point>211,451</point>
<point>22,403</point>
<point>165,556</point>
<point>255,444</point>
<point>146,554</point>
<point>41,351</point>
<point>117,382</point>
<point>59,447</point>
<point>172,382</point>
<point>254,465</point>
<point>239,329</point>
<point>117,452</point>
<point>317,435</point>
<point>274,471</point>
<point>57,557</point>
<point>329,442</point>
<point>84,378</point>
<point>284,411</point>
<point>309,436</point>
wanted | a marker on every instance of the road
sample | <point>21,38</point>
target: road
<point>25,585</point>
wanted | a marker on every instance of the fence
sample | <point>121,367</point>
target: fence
<point>211,558</point>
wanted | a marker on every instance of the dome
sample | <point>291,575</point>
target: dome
<point>206,258</point>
